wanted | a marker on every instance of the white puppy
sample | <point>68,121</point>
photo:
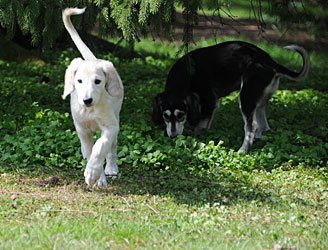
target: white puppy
<point>96,99</point>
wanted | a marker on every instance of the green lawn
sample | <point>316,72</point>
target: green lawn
<point>185,193</point>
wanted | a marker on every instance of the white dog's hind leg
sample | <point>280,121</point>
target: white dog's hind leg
<point>111,164</point>
<point>100,150</point>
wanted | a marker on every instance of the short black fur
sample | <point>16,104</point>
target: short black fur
<point>197,81</point>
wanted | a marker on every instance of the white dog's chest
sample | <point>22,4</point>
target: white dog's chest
<point>92,125</point>
<point>88,118</point>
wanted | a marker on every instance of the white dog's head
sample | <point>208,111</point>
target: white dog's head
<point>90,78</point>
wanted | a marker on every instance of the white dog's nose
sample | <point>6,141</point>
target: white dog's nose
<point>87,101</point>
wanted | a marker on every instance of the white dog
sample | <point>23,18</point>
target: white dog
<point>96,99</point>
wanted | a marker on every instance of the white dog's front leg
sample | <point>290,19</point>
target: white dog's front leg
<point>102,182</point>
<point>111,164</point>
<point>86,139</point>
<point>101,148</point>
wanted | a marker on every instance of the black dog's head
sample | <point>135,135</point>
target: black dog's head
<point>175,111</point>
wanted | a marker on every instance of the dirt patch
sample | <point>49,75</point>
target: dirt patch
<point>50,182</point>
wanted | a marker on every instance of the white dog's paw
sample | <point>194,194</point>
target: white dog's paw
<point>102,182</point>
<point>111,171</point>
<point>91,175</point>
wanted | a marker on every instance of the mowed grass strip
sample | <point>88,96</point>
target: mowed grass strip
<point>282,207</point>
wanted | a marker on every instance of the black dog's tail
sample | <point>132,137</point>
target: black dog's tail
<point>296,76</point>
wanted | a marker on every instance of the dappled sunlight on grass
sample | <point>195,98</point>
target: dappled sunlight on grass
<point>170,192</point>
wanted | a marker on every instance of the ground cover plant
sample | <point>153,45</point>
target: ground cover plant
<point>189,192</point>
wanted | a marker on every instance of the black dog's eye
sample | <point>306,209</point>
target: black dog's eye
<point>79,81</point>
<point>180,116</point>
<point>166,116</point>
<point>97,81</point>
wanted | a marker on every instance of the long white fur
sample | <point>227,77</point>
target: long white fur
<point>84,50</point>
<point>95,105</point>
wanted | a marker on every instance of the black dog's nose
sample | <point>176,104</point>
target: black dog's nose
<point>87,101</point>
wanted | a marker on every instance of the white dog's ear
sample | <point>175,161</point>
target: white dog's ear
<point>69,77</point>
<point>114,84</point>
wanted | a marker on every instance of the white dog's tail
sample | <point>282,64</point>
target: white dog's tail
<point>84,50</point>
<point>297,76</point>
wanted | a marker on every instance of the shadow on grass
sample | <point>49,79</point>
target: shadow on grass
<point>187,189</point>
<point>183,189</point>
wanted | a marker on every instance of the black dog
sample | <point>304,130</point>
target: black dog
<point>199,79</point>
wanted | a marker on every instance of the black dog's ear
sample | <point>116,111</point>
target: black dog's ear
<point>157,117</point>
<point>194,109</point>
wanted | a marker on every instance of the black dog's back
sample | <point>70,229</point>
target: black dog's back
<point>220,64</point>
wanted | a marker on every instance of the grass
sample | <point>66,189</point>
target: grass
<point>285,207</point>
<point>238,9</point>
<point>189,193</point>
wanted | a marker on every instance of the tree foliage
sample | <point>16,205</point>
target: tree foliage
<point>41,19</point>
<point>311,14</point>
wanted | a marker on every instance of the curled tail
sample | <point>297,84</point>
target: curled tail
<point>84,50</point>
<point>296,76</point>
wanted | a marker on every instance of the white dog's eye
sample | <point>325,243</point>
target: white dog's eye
<point>97,81</point>
<point>79,81</point>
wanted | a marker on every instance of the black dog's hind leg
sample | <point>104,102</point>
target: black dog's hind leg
<point>255,92</point>
<point>260,117</point>
<point>260,112</point>
<point>250,126</point>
